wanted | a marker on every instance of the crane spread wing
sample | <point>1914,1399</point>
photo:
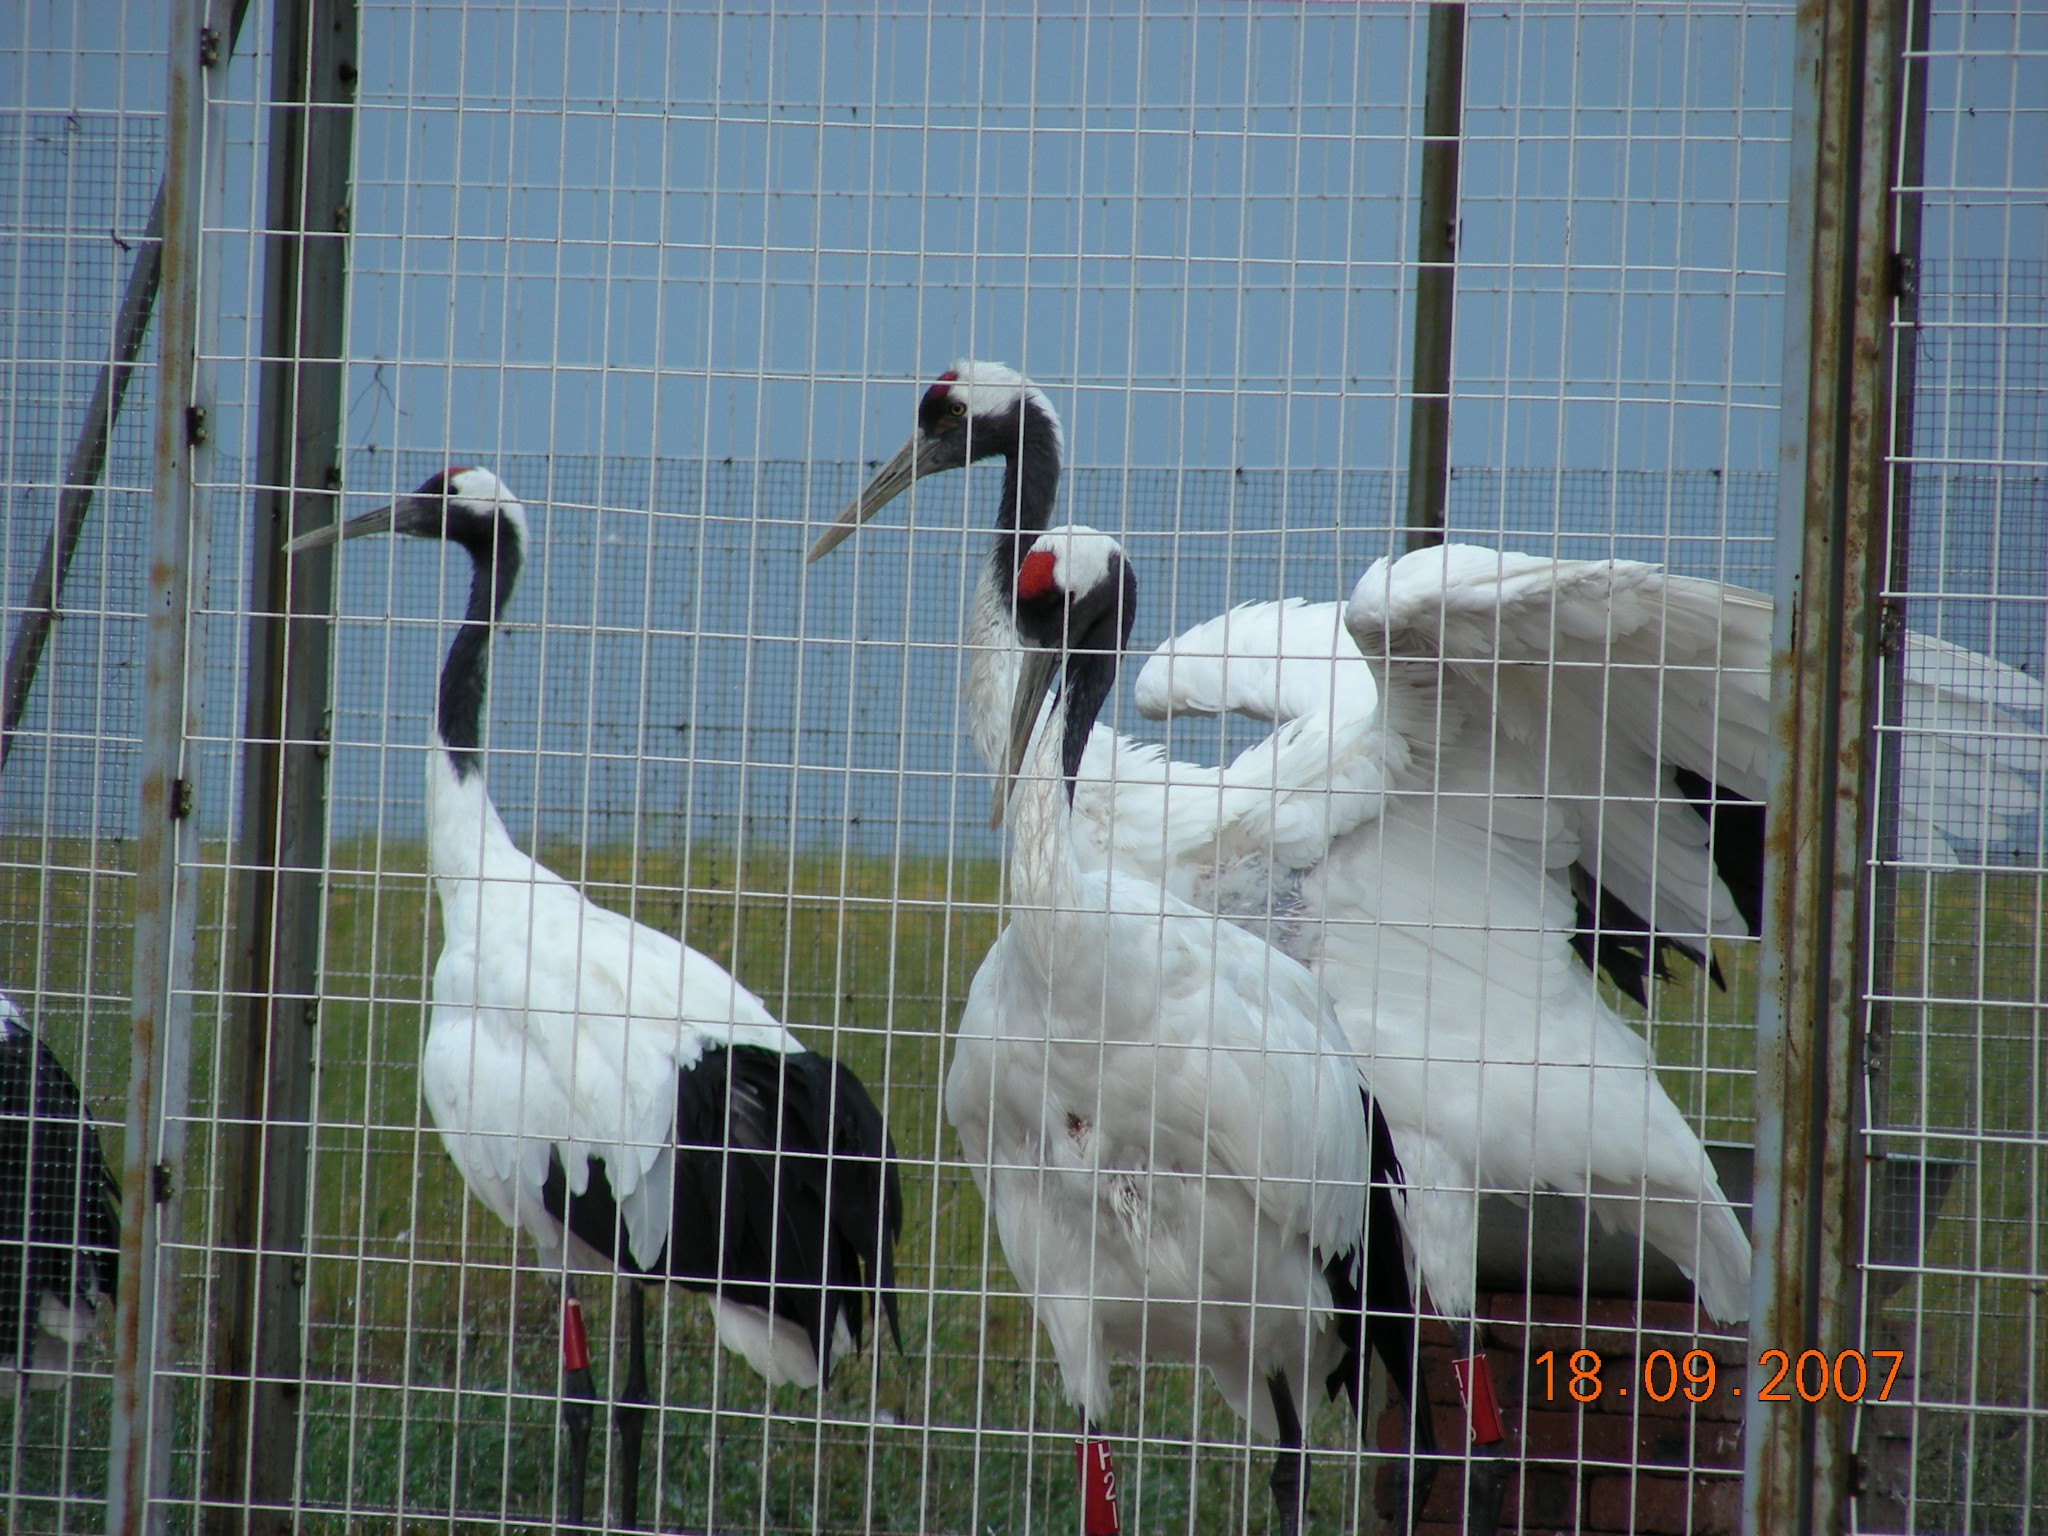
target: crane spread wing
<point>1268,661</point>
<point>1632,702</point>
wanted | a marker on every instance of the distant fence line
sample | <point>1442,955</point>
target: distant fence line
<point>694,678</point>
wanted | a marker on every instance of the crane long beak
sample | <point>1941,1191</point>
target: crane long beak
<point>1034,682</point>
<point>883,487</point>
<point>377,520</point>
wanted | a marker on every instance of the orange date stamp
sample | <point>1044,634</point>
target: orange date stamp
<point>1813,1376</point>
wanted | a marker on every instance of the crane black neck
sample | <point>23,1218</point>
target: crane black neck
<point>496,556</point>
<point>1031,489</point>
<point>1090,677</point>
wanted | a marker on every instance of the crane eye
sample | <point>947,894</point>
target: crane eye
<point>958,407</point>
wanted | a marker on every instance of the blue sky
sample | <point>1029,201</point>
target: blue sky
<point>676,234</point>
<point>638,235</point>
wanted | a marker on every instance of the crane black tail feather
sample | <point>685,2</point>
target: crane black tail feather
<point>1376,1308</point>
<point>787,1196</point>
<point>60,1223</point>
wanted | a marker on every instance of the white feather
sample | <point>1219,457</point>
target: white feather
<point>1274,661</point>
<point>1164,1119</point>
<point>1435,910</point>
<point>560,1027</point>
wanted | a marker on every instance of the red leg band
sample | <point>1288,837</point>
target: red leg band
<point>575,1342</point>
<point>1098,1488</point>
<point>1482,1408</point>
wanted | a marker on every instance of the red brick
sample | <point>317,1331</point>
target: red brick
<point>1391,1432</point>
<point>1546,1501</point>
<point>1560,1436</point>
<point>1663,1505</point>
<point>1448,1499</point>
<point>1668,1443</point>
<point>1606,1324</point>
<point>1717,1445</point>
<point>1726,1401</point>
<point>1434,1333</point>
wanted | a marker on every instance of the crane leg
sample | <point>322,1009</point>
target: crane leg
<point>19,1436</point>
<point>1290,1467</point>
<point>1099,1514</point>
<point>629,1414</point>
<point>1414,1475</point>
<point>578,1399</point>
<point>1487,1478</point>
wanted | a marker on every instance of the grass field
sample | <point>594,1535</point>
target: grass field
<point>432,1355</point>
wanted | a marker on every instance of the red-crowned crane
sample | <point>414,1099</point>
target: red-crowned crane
<point>1183,1157</point>
<point>1568,776</point>
<point>1206,833</point>
<point>1291,838</point>
<point>60,1221</point>
<point>613,1092</point>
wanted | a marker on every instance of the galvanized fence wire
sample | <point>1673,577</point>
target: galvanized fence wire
<point>678,274</point>
<point>1955,1252</point>
<point>79,163</point>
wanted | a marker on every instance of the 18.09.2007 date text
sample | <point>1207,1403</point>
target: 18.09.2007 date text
<point>1812,1376</point>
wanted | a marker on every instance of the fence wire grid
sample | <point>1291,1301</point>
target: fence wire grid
<point>679,274</point>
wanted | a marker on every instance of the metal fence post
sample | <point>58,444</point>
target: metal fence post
<point>166,884</point>
<point>88,458</point>
<point>1831,558</point>
<point>1436,278</point>
<point>268,1048</point>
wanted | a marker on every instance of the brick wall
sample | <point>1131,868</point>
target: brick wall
<point>1621,1463</point>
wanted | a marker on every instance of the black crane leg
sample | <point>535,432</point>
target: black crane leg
<point>20,1434</point>
<point>579,1396</point>
<point>1487,1481</point>
<point>629,1414</point>
<point>1413,1476</point>
<point>1290,1467</point>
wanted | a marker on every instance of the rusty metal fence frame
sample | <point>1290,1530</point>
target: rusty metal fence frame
<point>1824,1021</point>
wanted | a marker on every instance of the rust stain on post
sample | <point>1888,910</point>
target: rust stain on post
<point>138,1455</point>
<point>1832,521</point>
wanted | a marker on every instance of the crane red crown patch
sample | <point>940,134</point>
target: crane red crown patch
<point>1035,573</point>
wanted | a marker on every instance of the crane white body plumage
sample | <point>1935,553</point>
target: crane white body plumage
<point>1546,707</point>
<point>1441,920</point>
<point>570,1047</point>
<point>569,1061</point>
<point>1162,1114</point>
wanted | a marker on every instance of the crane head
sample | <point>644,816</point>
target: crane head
<point>1075,598</point>
<point>972,411</point>
<point>470,507</point>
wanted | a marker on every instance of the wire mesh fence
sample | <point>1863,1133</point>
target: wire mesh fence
<point>679,275</point>
<point>1960,1000</point>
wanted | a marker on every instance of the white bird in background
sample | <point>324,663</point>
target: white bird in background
<point>1182,1155</point>
<point>616,1094</point>
<point>1192,828</point>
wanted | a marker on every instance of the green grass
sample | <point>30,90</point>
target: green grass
<point>432,1355</point>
